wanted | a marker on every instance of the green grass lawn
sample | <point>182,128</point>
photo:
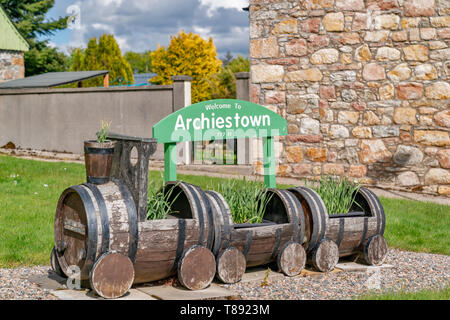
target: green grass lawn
<point>29,192</point>
<point>418,295</point>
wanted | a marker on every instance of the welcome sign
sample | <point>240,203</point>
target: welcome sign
<point>219,119</point>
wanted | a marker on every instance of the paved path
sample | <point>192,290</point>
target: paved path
<point>56,286</point>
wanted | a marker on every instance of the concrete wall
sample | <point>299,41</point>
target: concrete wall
<point>12,65</point>
<point>363,84</point>
<point>61,119</point>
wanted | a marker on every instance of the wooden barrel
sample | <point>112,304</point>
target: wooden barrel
<point>162,243</point>
<point>98,161</point>
<point>349,231</point>
<point>91,220</point>
<point>261,243</point>
<point>315,216</point>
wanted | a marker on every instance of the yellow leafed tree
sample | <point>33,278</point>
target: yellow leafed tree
<point>191,55</point>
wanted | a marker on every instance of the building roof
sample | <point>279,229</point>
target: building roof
<point>52,79</point>
<point>10,37</point>
<point>142,78</point>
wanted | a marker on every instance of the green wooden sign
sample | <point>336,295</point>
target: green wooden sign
<point>219,120</point>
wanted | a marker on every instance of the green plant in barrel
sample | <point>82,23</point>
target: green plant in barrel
<point>159,205</point>
<point>99,155</point>
<point>338,194</point>
<point>102,135</point>
<point>247,199</point>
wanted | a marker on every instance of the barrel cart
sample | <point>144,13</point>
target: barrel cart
<point>358,233</point>
<point>102,230</point>
<point>277,239</point>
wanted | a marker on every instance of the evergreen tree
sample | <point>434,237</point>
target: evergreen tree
<point>29,18</point>
<point>76,58</point>
<point>140,62</point>
<point>103,55</point>
<point>191,55</point>
<point>225,85</point>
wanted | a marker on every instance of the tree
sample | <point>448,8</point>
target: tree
<point>191,55</point>
<point>103,54</point>
<point>227,59</point>
<point>225,85</point>
<point>29,18</point>
<point>41,59</point>
<point>76,59</point>
<point>140,62</point>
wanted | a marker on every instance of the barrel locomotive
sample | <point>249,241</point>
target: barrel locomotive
<point>101,227</point>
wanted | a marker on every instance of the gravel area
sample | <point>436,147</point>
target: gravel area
<point>15,286</point>
<point>412,272</point>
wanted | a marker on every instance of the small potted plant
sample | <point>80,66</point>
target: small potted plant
<point>98,155</point>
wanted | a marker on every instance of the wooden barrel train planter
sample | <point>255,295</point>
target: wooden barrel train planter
<point>101,228</point>
<point>278,238</point>
<point>357,233</point>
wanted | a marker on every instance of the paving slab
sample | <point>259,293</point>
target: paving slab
<point>357,267</point>
<point>133,294</point>
<point>314,273</point>
<point>50,281</point>
<point>259,274</point>
<point>213,292</point>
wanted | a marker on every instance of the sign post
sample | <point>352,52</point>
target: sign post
<point>219,120</point>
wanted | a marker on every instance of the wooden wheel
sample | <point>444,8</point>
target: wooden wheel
<point>325,256</point>
<point>231,265</point>
<point>196,268</point>
<point>375,250</point>
<point>291,259</point>
<point>112,275</point>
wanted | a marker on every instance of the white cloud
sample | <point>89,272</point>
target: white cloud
<point>227,4</point>
<point>140,25</point>
<point>205,33</point>
<point>105,3</point>
<point>102,26</point>
<point>123,44</point>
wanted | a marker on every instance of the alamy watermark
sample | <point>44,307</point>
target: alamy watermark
<point>74,19</point>
<point>373,282</point>
<point>74,278</point>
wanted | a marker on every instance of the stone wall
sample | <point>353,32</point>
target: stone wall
<point>363,84</point>
<point>12,65</point>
